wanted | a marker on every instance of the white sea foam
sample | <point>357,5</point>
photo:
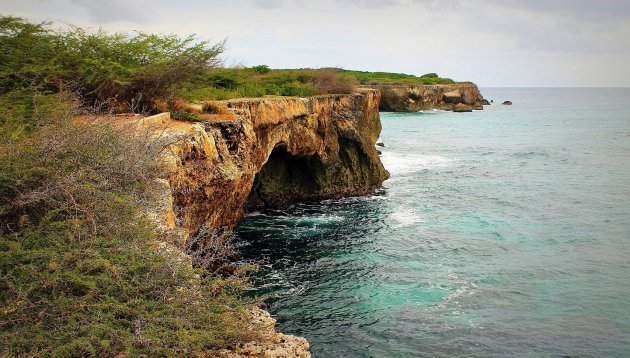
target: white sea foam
<point>397,163</point>
<point>406,217</point>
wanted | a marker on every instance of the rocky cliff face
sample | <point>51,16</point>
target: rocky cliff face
<point>269,152</point>
<point>403,98</point>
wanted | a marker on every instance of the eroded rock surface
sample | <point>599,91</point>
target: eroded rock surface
<point>270,152</point>
<point>408,98</point>
<point>273,344</point>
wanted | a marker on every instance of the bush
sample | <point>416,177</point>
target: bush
<point>331,81</point>
<point>262,69</point>
<point>214,108</point>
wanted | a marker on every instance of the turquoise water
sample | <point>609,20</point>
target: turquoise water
<point>503,232</point>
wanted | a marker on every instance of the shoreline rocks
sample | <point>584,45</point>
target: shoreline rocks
<point>460,107</point>
<point>414,98</point>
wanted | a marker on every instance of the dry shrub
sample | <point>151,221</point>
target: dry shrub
<point>331,81</point>
<point>65,164</point>
<point>213,107</point>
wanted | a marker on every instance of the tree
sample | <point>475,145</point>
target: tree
<point>127,70</point>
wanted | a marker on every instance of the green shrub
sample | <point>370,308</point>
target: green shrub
<point>262,69</point>
<point>128,71</point>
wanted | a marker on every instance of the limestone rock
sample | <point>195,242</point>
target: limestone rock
<point>273,344</point>
<point>460,107</point>
<point>413,98</point>
<point>485,102</point>
<point>507,103</point>
<point>270,152</point>
<point>453,97</point>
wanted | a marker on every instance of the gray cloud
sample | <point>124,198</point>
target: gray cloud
<point>543,26</point>
<point>429,4</point>
<point>117,10</point>
<point>507,43</point>
<point>600,10</point>
<point>270,4</point>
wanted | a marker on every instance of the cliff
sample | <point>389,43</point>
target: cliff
<point>413,98</point>
<point>265,153</point>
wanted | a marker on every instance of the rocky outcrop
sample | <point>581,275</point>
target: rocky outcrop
<point>460,107</point>
<point>270,152</point>
<point>413,98</point>
<point>272,345</point>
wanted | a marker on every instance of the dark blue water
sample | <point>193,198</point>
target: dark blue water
<point>503,232</point>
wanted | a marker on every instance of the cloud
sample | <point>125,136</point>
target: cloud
<point>270,4</point>
<point>117,10</point>
<point>585,10</point>
<point>507,43</point>
<point>543,26</point>
<point>429,4</point>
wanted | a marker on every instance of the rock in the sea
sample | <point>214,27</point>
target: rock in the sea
<point>380,144</point>
<point>460,107</point>
<point>453,97</point>
<point>508,103</point>
<point>485,102</point>
<point>478,107</point>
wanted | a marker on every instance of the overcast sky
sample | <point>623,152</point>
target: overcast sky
<point>492,43</point>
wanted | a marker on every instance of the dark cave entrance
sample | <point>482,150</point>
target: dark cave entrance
<point>284,180</point>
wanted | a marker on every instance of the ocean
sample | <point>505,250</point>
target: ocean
<point>503,232</point>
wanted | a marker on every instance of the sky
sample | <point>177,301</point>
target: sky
<point>508,43</point>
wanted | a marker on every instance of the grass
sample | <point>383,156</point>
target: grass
<point>388,78</point>
<point>228,83</point>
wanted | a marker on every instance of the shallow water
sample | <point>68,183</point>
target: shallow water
<point>503,232</point>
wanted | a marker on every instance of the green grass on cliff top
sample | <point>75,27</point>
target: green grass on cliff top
<point>258,81</point>
<point>389,78</point>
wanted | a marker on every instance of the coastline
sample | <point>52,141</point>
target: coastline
<point>215,166</point>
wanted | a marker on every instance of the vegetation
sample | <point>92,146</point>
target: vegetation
<point>82,271</point>
<point>128,72</point>
<point>227,83</point>
<point>387,78</point>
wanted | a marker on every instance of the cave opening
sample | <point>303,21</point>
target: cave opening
<point>284,180</point>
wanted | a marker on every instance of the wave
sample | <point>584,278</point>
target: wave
<point>397,163</point>
<point>406,217</point>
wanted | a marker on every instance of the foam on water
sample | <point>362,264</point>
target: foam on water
<point>399,163</point>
